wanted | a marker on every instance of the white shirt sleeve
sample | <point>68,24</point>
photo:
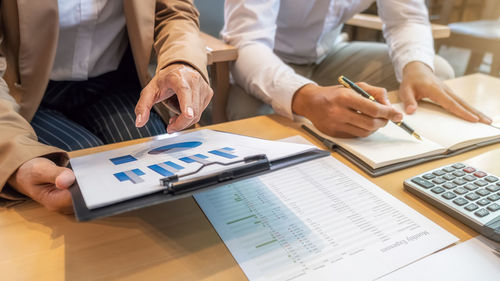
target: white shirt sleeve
<point>251,27</point>
<point>407,32</point>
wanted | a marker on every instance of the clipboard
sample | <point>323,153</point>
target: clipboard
<point>260,166</point>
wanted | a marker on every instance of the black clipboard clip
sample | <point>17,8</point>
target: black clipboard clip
<point>328,143</point>
<point>254,164</point>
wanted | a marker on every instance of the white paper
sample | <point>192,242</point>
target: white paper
<point>318,220</point>
<point>471,260</point>
<point>105,179</point>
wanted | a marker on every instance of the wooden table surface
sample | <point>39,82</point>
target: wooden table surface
<point>172,241</point>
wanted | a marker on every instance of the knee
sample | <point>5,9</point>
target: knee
<point>443,69</point>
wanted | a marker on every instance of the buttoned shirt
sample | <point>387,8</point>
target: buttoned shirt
<point>92,38</point>
<point>271,33</point>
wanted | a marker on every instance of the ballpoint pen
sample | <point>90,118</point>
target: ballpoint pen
<point>349,84</point>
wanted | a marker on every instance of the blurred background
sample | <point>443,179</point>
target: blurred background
<point>472,46</point>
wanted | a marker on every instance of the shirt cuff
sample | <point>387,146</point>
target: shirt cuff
<point>422,55</point>
<point>282,104</point>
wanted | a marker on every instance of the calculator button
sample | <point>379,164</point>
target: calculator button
<point>449,185</point>
<point>469,178</point>
<point>472,196</point>
<point>458,166</point>
<point>483,192</point>
<point>483,202</point>
<point>471,207</point>
<point>437,190</point>
<point>481,183</point>
<point>459,181</point>
<point>481,213</point>
<point>460,190</point>
<point>471,186</point>
<point>469,170</point>
<point>439,173</point>
<point>480,174</point>
<point>494,207</point>
<point>448,169</point>
<point>493,188</point>
<point>493,197</point>
<point>438,181</point>
<point>429,176</point>
<point>458,174</point>
<point>491,178</point>
<point>460,201</point>
<point>449,195</point>
<point>423,183</point>
<point>449,177</point>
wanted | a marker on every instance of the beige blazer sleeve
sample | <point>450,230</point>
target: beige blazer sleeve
<point>177,37</point>
<point>18,142</point>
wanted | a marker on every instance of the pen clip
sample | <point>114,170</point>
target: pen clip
<point>254,164</point>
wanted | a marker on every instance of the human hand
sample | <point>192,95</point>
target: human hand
<point>192,92</point>
<point>46,183</point>
<point>341,112</point>
<point>420,82</point>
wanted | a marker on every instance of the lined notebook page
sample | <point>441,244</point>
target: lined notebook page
<point>386,146</point>
<point>447,130</point>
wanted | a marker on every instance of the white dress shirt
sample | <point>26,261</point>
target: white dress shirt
<point>270,33</point>
<point>92,38</point>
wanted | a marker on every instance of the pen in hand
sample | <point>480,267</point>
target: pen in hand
<point>349,84</point>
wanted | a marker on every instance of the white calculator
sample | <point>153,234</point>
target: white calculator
<point>468,194</point>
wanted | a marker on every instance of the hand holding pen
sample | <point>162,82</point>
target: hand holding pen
<point>349,84</point>
<point>341,112</point>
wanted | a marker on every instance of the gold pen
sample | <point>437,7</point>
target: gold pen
<point>349,84</point>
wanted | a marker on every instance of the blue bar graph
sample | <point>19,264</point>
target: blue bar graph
<point>132,175</point>
<point>160,170</point>
<point>224,152</point>
<point>173,165</point>
<point>123,159</point>
<point>195,158</point>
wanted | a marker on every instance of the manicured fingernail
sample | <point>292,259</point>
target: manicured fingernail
<point>170,121</point>
<point>138,120</point>
<point>398,117</point>
<point>190,112</point>
<point>410,108</point>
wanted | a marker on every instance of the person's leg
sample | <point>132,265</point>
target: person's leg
<point>53,128</point>
<point>359,61</point>
<point>368,62</point>
<point>112,118</point>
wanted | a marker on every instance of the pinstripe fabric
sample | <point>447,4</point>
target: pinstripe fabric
<point>80,114</point>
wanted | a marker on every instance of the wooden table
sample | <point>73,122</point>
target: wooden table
<point>173,241</point>
<point>375,22</point>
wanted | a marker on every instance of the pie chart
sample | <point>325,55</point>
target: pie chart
<point>175,147</point>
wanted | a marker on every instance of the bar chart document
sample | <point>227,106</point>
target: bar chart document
<point>318,220</point>
<point>132,171</point>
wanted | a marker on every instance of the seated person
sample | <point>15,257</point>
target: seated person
<point>72,78</point>
<point>290,56</point>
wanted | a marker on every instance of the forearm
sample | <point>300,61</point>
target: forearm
<point>261,73</point>
<point>408,33</point>
<point>177,36</point>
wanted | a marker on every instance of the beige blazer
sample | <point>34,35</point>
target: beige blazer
<point>28,41</point>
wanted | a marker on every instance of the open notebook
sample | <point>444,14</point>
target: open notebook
<point>391,148</point>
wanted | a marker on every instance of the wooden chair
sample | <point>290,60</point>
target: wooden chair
<point>480,37</point>
<point>219,55</point>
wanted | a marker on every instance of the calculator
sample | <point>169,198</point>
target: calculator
<point>468,194</point>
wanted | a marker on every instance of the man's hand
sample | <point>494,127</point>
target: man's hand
<point>340,112</point>
<point>420,82</point>
<point>193,94</point>
<point>46,183</point>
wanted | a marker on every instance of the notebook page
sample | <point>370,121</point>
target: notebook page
<point>449,131</point>
<point>386,146</point>
<point>318,220</point>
